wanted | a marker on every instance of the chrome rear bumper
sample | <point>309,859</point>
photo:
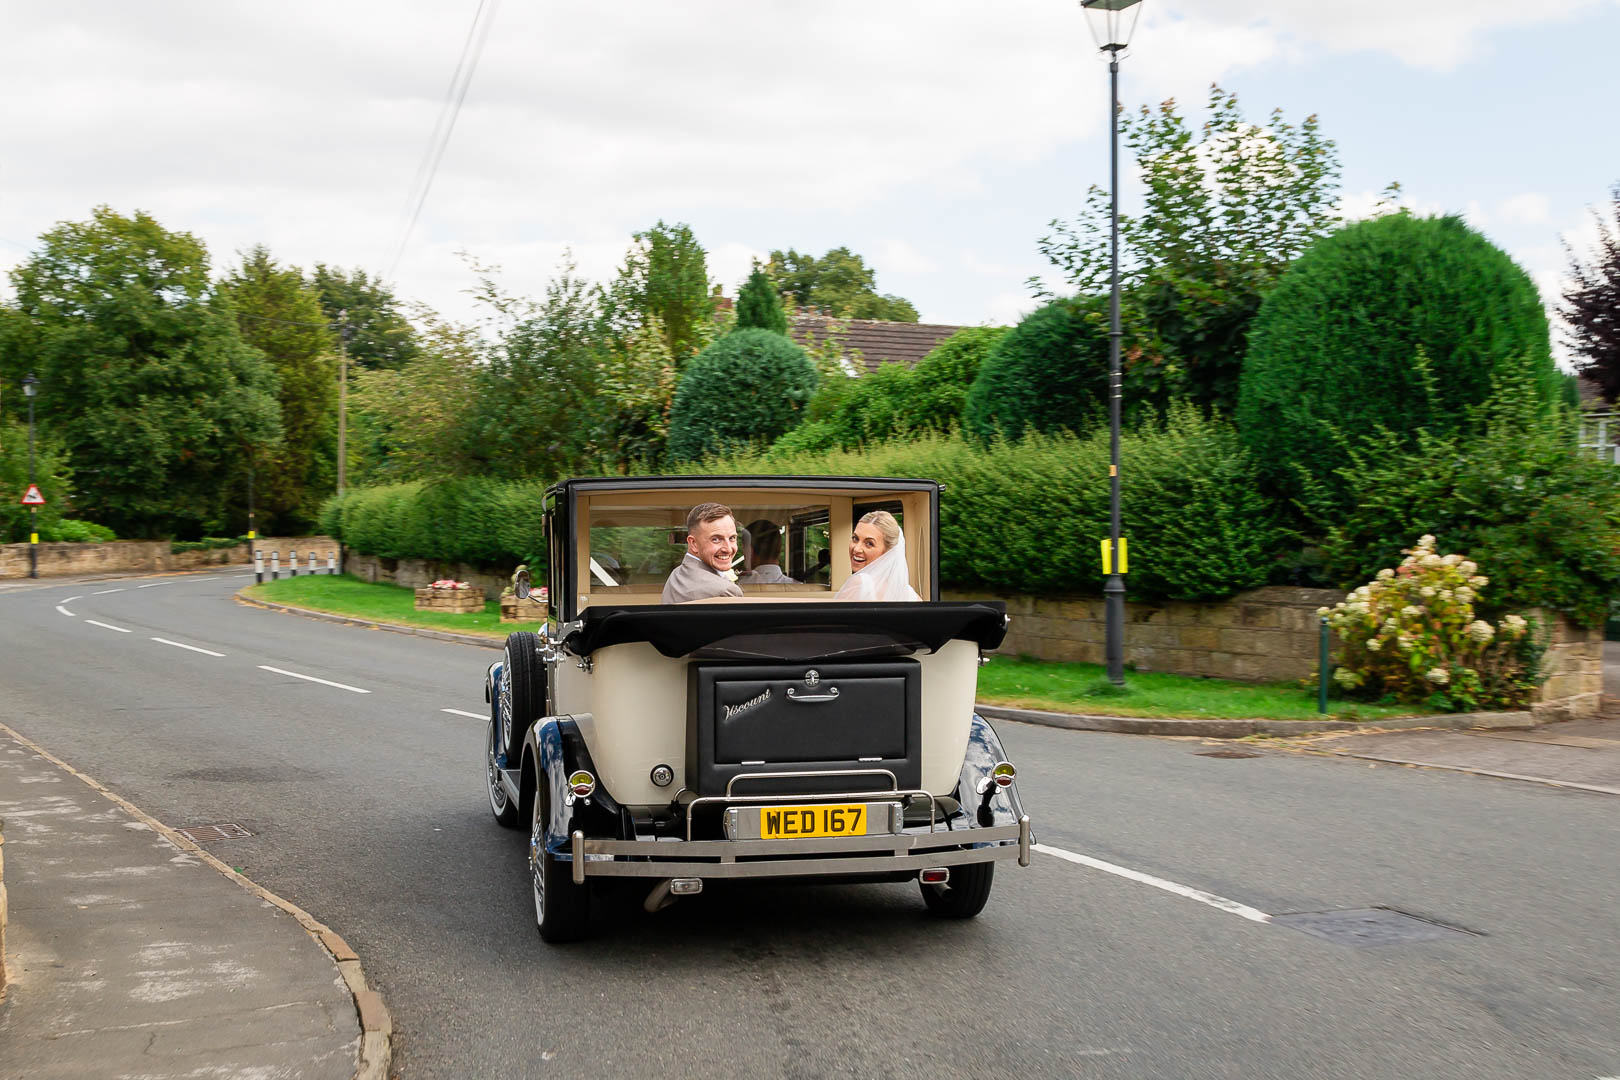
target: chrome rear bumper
<point>883,853</point>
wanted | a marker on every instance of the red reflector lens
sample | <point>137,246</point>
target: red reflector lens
<point>1004,779</point>
<point>935,877</point>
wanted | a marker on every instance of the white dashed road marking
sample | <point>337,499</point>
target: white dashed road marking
<point>107,626</point>
<point>183,645</point>
<point>153,585</point>
<point>464,712</point>
<point>1220,902</point>
<point>104,592</point>
<point>64,610</point>
<point>311,678</point>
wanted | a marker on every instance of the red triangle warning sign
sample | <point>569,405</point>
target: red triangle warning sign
<point>32,496</point>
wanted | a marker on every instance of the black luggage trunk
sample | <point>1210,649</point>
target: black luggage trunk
<point>767,718</point>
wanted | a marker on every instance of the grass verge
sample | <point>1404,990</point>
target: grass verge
<point>1019,682</point>
<point>380,602</point>
<point>1013,681</point>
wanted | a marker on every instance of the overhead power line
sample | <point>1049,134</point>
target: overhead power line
<point>445,125</point>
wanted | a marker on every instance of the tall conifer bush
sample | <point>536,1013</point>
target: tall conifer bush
<point>1388,325</point>
<point>759,307</point>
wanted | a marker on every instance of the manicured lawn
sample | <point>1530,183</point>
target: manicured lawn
<point>345,595</point>
<point>1084,688</point>
<point>1033,684</point>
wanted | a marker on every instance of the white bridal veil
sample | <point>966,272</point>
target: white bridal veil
<point>885,578</point>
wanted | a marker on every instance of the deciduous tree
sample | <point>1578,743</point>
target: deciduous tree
<point>144,375</point>
<point>280,315</point>
<point>1226,209</point>
<point>380,337</point>
<point>1591,308</point>
<point>839,284</point>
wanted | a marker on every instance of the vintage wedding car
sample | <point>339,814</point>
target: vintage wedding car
<point>781,734</point>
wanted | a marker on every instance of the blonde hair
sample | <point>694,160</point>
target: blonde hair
<point>884,522</point>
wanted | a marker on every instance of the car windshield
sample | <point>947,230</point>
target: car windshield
<point>789,546</point>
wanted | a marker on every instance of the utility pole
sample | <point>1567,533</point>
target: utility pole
<point>29,385</point>
<point>343,400</point>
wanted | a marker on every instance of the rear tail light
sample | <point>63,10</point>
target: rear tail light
<point>581,783</point>
<point>1003,774</point>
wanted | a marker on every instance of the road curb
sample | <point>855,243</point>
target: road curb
<point>1548,781</point>
<point>376,1027</point>
<point>350,620</point>
<point>1237,729</point>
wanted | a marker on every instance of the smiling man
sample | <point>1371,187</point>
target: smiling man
<point>711,544</point>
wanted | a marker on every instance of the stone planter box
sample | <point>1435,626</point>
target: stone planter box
<point>457,601</point>
<point>528,610</point>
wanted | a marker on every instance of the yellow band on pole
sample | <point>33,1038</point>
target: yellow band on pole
<point>33,538</point>
<point>252,535</point>
<point>1108,562</point>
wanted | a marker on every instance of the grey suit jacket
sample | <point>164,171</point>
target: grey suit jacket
<point>692,580</point>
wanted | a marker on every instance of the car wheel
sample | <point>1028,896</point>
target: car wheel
<point>500,803</point>
<point>522,690</point>
<point>562,909</point>
<point>965,895</point>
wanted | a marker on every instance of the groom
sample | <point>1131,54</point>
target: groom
<point>711,544</point>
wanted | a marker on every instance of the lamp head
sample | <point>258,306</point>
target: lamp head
<point>1112,22</point>
<point>29,382</point>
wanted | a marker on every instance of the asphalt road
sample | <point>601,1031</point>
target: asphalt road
<point>368,810</point>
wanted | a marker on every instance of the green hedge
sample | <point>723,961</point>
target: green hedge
<point>493,523</point>
<point>1028,516</point>
<point>207,543</point>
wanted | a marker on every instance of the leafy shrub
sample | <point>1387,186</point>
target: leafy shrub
<point>748,387</point>
<point>476,520</point>
<point>1048,374</point>
<point>74,531</point>
<point>895,400</point>
<point>1399,322</point>
<point>1411,634</point>
<point>52,470</point>
<point>1512,489</point>
<point>1027,516</point>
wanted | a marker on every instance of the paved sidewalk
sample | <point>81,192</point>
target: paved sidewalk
<point>128,956</point>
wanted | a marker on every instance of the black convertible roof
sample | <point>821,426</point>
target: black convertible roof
<point>681,483</point>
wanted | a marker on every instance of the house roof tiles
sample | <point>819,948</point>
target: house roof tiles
<point>877,341</point>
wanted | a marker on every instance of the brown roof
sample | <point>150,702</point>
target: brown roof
<point>876,340</point>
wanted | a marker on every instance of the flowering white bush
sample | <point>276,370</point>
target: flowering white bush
<point>447,583</point>
<point>1411,634</point>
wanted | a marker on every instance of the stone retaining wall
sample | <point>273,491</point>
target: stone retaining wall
<point>1268,634</point>
<point>414,573</point>
<point>117,556</point>
<point>1263,635</point>
<point>1573,666</point>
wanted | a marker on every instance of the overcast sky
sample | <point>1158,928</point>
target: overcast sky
<point>936,137</point>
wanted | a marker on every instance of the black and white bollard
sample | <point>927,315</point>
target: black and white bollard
<point>311,562</point>
<point>331,562</point>
<point>292,562</point>
<point>275,565</point>
<point>258,567</point>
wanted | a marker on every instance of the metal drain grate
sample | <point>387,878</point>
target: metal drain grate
<point>204,834</point>
<point>1369,926</point>
<point>1227,753</point>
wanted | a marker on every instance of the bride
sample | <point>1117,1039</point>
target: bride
<point>877,553</point>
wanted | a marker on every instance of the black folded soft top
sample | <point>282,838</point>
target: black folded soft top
<point>791,631</point>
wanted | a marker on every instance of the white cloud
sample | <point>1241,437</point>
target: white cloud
<point>1525,209</point>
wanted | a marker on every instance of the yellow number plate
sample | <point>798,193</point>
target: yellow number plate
<point>785,822</point>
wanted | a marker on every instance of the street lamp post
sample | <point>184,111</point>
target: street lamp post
<point>29,385</point>
<point>1112,22</point>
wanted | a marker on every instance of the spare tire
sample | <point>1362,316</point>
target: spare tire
<point>522,692</point>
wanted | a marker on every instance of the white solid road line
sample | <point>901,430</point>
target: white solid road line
<point>464,712</point>
<point>154,585</point>
<point>104,592</point>
<point>1221,902</point>
<point>108,626</point>
<point>311,678</point>
<point>183,645</point>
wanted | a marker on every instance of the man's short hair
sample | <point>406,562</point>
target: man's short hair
<point>703,513</point>
<point>767,540</point>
